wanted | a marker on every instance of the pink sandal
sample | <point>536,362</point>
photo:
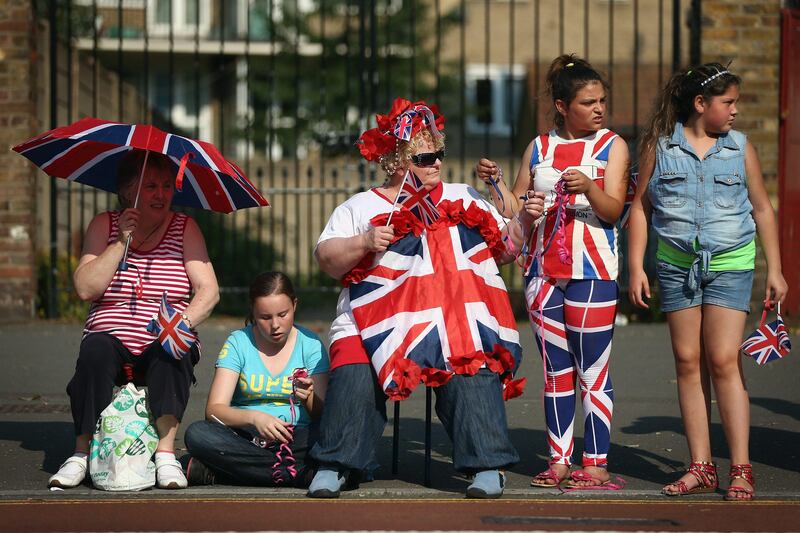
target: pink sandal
<point>597,483</point>
<point>541,479</point>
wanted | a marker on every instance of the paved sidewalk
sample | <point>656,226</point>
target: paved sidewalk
<point>647,444</point>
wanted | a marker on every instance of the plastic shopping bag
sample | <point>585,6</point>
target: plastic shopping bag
<point>123,444</point>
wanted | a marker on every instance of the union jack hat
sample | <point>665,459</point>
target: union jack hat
<point>769,341</point>
<point>403,122</point>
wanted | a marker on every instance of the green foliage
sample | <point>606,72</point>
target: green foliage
<point>67,304</point>
<point>366,60</point>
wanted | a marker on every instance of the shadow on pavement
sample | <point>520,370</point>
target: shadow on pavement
<point>630,463</point>
<point>778,406</point>
<point>768,446</point>
<point>55,439</point>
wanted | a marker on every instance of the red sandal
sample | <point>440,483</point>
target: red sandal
<point>706,475</point>
<point>745,472</point>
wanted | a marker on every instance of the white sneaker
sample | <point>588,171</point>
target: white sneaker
<point>169,474</point>
<point>70,474</point>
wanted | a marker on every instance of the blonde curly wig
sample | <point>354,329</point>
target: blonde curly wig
<point>400,157</point>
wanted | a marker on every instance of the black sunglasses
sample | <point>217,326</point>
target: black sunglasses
<point>427,159</point>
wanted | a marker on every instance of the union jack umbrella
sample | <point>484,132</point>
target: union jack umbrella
<point>89,150</point>
<point>171,330</point>
<point>769,341</point>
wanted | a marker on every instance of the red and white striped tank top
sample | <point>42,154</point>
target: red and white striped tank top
<point>123,313</point>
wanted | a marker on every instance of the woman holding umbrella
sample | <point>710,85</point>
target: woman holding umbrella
<point>166,257</point>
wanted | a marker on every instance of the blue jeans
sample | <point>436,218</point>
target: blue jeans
<point>471,409</point>
<point>727,288</point>
<point>234,459</point>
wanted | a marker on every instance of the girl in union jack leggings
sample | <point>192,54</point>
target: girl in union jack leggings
<point>579,170</point>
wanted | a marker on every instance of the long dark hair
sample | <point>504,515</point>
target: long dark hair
<point>676,101</point>
<point>268,284</point>
<point>567,75</point>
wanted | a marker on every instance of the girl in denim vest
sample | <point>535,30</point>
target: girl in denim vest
<point>700,187</point>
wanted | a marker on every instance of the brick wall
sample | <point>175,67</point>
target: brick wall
<point>749,34</point>
<point>17,178</point>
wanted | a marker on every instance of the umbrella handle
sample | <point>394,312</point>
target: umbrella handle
<point>123,264</point>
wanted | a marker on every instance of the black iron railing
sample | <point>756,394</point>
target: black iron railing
<point>284,88</point>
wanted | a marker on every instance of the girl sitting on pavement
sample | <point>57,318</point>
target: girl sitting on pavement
<point>268,390</point>
<point>701,188</point>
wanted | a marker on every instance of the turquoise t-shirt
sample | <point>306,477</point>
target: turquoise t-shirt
<point>260,390</point>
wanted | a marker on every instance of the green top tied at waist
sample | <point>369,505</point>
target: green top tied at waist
<point>742,258</point>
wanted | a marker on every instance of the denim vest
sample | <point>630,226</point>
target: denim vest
<point>702,200</point>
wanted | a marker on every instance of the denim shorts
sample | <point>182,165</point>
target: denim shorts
<point>727,288</point>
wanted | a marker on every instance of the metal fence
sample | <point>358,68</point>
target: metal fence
<point>285,87</point>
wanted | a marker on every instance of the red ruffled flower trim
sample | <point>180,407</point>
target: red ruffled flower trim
<point>500,360</point>
<point>407,375</point>
<point>373,144</point>
<point>433,377</point>
<point>451,213</point>
<point>513,387</point>
<point>468,364</point>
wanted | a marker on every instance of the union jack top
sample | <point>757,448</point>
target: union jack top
<point>123,313</point>
<point>591,241</point>
<point>353,218</point>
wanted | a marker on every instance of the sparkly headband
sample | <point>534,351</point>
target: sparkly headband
<point>712,78</point>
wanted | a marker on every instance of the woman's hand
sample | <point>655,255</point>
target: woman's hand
<point>271,428</point>
<point>378,238</point>
<point>576,182</point>
<point>776,289</point>
<point>533,207</point>
<point>128,221</point>
<point>487,170</point>
<point>638,288</point>
<point>304,389</point>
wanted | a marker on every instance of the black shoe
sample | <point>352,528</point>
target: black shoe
<point>196,472</point>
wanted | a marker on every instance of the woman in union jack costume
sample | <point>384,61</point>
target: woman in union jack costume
<point>579,170</point>
<point>409,145</point>
<point>168,276</point>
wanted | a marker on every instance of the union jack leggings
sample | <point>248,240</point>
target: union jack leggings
<point>578,323</point>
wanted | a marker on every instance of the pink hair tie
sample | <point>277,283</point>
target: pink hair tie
<point>561,236</point>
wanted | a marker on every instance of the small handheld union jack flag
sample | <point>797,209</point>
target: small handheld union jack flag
<point>769,341</point>
<point>172,332</point>
<point>416,198</point>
